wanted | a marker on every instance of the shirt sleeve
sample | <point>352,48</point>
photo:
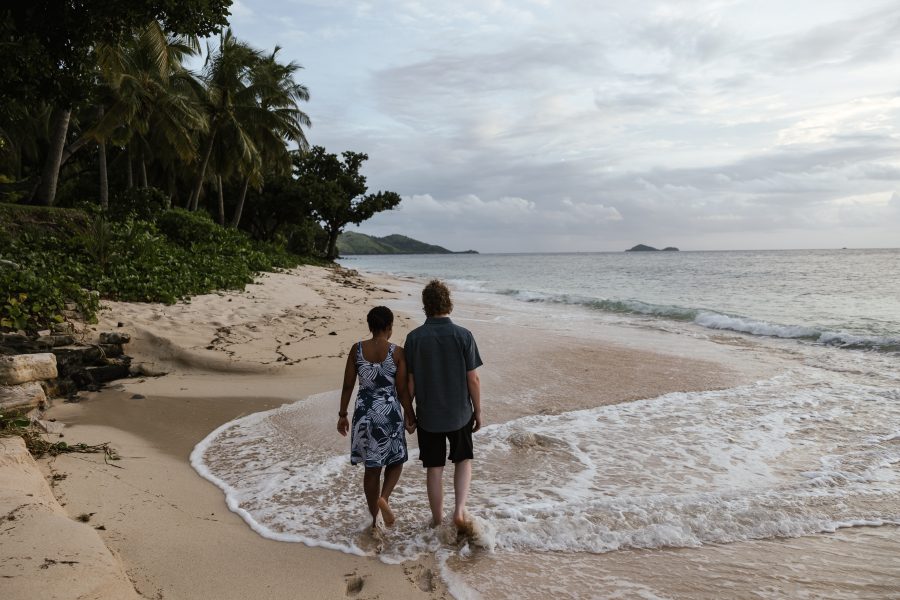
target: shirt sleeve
<point>473,358</point>
<point>409,354</point>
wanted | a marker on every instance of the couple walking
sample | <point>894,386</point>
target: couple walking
<point>437,370</point>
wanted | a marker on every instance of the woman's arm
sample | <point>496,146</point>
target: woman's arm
<point>343,425</point>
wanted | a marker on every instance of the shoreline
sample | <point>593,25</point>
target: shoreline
<point>171,528</point>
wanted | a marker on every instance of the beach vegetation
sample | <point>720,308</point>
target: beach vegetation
<point>59,261</point>
<point>126,175</point>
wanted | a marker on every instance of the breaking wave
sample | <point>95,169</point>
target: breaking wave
<point>712,319</point>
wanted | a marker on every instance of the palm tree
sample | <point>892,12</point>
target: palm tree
<point>252,102</point>
<point>227,100</point>
<point>59,128</point>
<point>153,107</point>
<point>280,122</point>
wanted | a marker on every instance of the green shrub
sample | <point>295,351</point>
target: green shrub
<point>186,228</point>
<point>33,301</point>
<point>142,204</point>
<point>11,191</point>
<point>307,238</point>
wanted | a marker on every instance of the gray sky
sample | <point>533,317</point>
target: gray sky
<point>555,125</point>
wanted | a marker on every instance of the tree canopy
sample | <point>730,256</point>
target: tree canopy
<point>99,110</point>
<point>46,47</point>
<point>337,191</point>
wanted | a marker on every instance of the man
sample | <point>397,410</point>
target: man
<point>442,359</point>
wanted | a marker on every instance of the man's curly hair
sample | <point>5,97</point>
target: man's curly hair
<point>436,299</point>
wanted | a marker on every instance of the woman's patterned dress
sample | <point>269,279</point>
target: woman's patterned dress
<point>377,438</point>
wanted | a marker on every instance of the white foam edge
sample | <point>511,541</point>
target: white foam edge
<point>456,585</point>
<point>231,493</point>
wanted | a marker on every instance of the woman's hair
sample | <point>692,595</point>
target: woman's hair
<point>380,319</point>
<point>436,299</point>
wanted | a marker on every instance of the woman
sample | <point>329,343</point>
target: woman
<point>377,439</point>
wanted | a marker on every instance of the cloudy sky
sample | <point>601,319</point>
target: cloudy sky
<point>562,125</point>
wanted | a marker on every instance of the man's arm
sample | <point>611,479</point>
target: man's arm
<point>403,390</point>
<point>410,415</point>
<point>474,384</point>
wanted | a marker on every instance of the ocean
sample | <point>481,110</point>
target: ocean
<point>849,298</point>
<point>785,484</point>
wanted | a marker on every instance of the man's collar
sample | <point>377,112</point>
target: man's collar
<point>436,320</point>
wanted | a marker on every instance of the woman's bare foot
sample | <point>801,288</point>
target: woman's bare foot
<point>386,512</point>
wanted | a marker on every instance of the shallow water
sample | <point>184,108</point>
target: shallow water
<point>853,563</point>
<point>787,486</point>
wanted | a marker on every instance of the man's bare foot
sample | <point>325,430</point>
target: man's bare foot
<point>464,525</point>
<point>386,512</point>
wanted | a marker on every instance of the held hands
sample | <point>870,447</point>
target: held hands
<point>343,426</point>
<point>410,421</point>
<point>478,422</point>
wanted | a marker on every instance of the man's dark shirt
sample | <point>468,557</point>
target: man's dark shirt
<point>439,354</point>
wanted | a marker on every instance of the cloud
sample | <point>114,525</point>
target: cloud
<point>585,213</point>
<point>506,210</point>
<point>566,125</point>
<point>241,10</point>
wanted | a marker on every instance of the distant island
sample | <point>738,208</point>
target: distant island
<point>351,242</point>
<point>645,248</point>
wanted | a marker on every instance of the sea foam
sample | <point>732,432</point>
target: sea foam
<point>782,457</point>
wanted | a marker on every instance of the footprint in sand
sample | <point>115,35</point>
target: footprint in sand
<point>422,576</point>
<point>426,581</point>
<point>354,585</point>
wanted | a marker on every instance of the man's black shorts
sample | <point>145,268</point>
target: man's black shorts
<point>433,446</point>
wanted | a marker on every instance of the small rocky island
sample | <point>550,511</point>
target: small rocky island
<point>645,248</point>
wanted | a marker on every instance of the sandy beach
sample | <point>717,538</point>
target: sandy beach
<point>672,230</point>
<point>283,339</point>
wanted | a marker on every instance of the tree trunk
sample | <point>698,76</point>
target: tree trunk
<point>104,179</point>
<point>221,203</point>
<point>173,188</point>
<point>332,243</point>
<point>236,219</point>
<point>130,174</point>
<point>73,148</point>
<point>195,197</point>
<point>143,171</point>
<point>104,176</point>
<point>59,121</point>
